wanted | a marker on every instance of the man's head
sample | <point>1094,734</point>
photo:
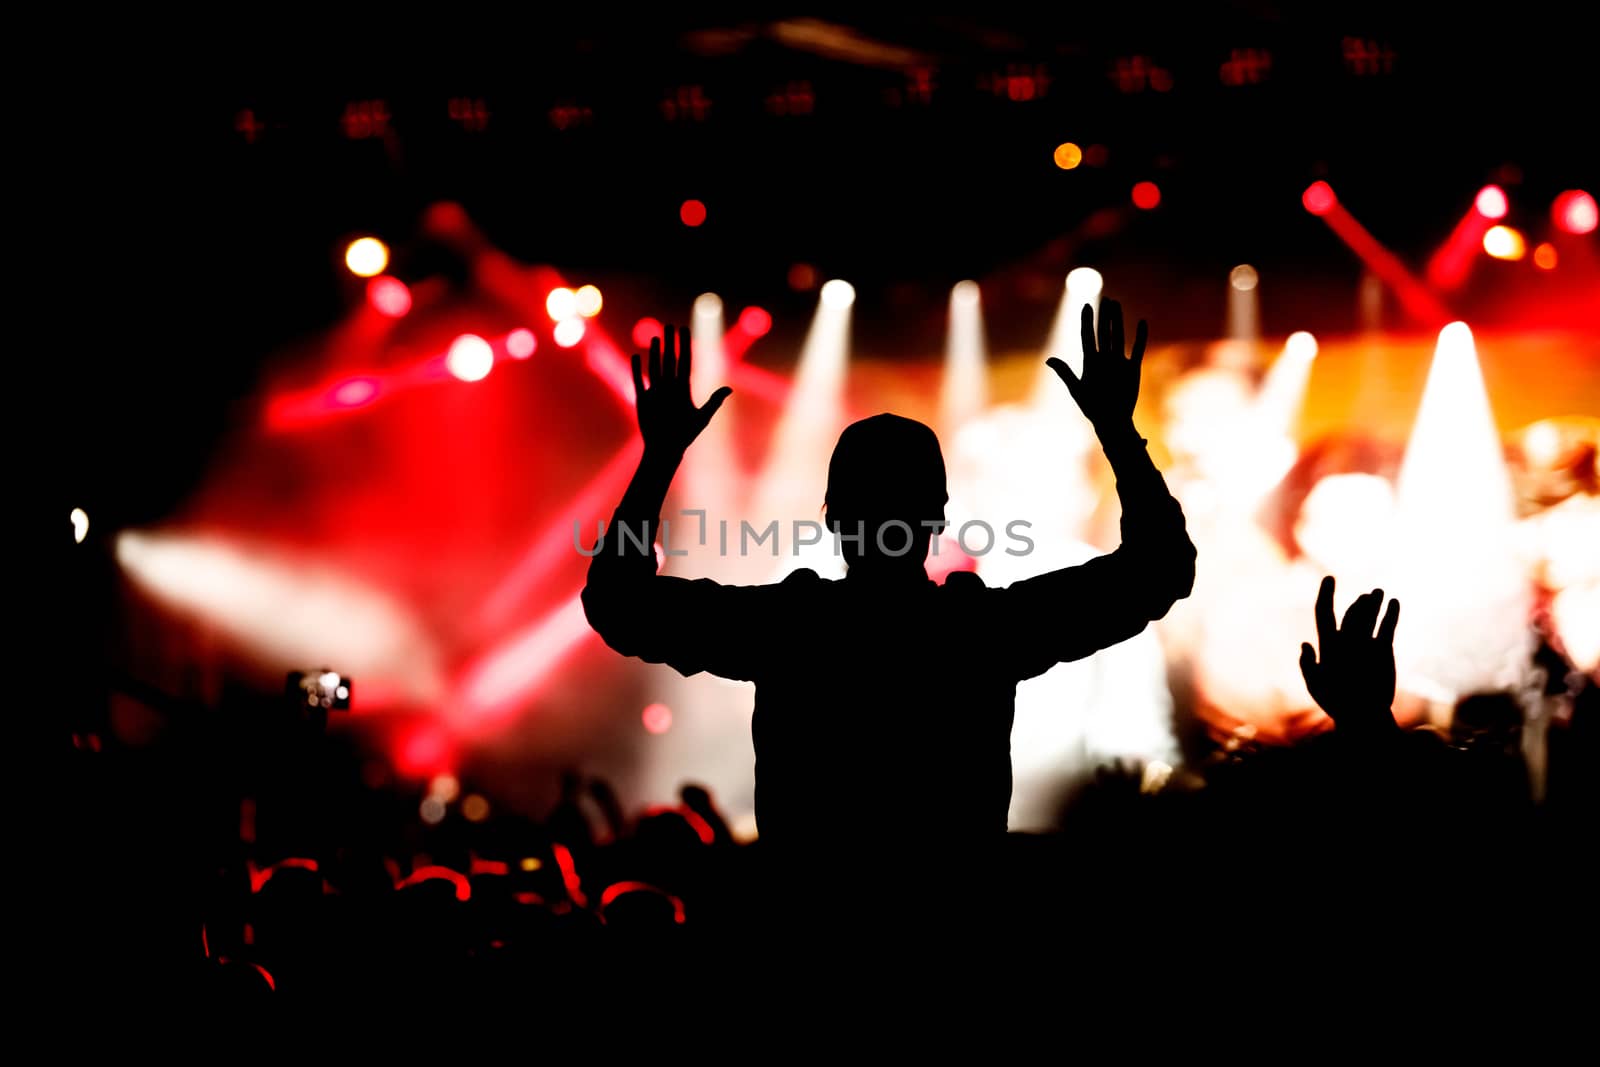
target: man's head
<point>886,481</point>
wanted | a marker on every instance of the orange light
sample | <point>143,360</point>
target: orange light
<point>1503,242</point>
<point>1544,257</point>
<point>589,301</point>
<point>1146,195</point>
<point>1068,155</point>
<point>366,257</point>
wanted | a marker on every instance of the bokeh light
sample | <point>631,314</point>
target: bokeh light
<point>389,296</point>
<point>802,277</point>
<point>1068,155</point>
<point>366,257</point>
<point>1503,242</point>
<point>1491,202</point>
<point>1318,198</point>
<point>693,213</point>
<point>657,718</point>
<point>562,303</point>
<point>521,343</point>
<point>1146,196</point>
<point>80,525</point>
<point>569,332</point>
<point>355,392</point>
<point>1575,212</point>
<point>646,330</point>
<point>1544,257</point>
<point>474,808</point>
<point>1243,277</point>
<point>755,321</point>
<point>588,301</point>
<point>838,294</point>
<point>470,358</point>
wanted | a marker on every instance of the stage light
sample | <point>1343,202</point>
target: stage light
<point>693,213</point>
<point>1491,202</point>
<point>444,787</point>
<point>1068,155</point>
<point>1243,277</point>
<point>1503,242</point>
<point>802,277</point>
<point>1544,257</point>
<point>1463,586</point>
<point>1146,196</point>
<point>389,296</point>
<point>1318,198</point>
<point>282,608</point>
<point>645,331</point>
<point>963,394</point>
<point>1575,212</point>
<point>474,808</point>
<point>1082,287</point>
<point>366,257</point>
<point>432,811</point>
<point>707,304</point>
<point>838,294</point>
<point>569,332</point>
<point>508,676</point>
<point>80,525</point>
<point>355,392</point>
<point>521,343</point>
<point>561,304</point>
<point>1283,390</point>
<point>588,301</point>
<point>470,358</point>
<point>755,321</point>
<point>657,718</point>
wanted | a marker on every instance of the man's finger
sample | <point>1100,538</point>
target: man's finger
<point>655,360</point>
<point>638,378</point>
<point>1088,334</point>
<point>685,357</point>
<point>1391,619</point>
<point>1327,628</point>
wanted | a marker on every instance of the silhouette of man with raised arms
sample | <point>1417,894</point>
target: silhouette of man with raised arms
<point>884,701</point>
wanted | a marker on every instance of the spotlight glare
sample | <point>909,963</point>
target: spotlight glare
<point>646,330</point>
<point>838,294</point>
<point>1544,257</point>
<point>588,301</point>
<point>1085,283</point>
<point>355,392</point>
<point>80,525</point>
<point>470,358</point>
<point>755,321</point>
<point>561,304</point>
<point>693,213</point>
<point>521,343</point>
<point>1301,346</point>
<point>1068,155</point>
<point>1491,202</point>
<point>1243,277</point>
<point>366,257</point>
<point>569,332</point>
<point>1318,198</point>
<point>965,294</point>
<point>708,304</point>
<point>1575,212</point>
<point>1503,242</point>
<point>1146,196</point>
<point>389,296</point>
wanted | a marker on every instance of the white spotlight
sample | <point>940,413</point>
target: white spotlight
<point>470,358</point>
<point>964,393</point>
<point>1243,277</point>
<point>1465,593</point>
<point>1084,285</point>
<point>1244,306</point>
<point>1283,391</point>
<point>80,525</point>
<point>838,294</point>
<point>708,304</point>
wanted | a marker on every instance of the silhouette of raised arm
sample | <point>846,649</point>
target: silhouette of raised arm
<point>1113,597</point>
<point>1354,679</point>
<point>691,625</point>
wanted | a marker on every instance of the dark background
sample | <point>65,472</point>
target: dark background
<point>200,177</point>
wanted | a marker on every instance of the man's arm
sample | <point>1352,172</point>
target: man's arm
<point>1112,597</point>
<point>691,625</point>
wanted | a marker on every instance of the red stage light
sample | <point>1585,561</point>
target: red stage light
<point>520,344</point>
<point>355,392</point>
<point>1318,198</point>
<point>657,718</point>
<point>645,331</point>
<point>424,752</point>
<point>693,213</point>
<point>1491,202</point>
<point>755,321</point>
<point>1544,257</point>
<point>1575,212</point>
<point>1146,196</point>
<point>389,296</point>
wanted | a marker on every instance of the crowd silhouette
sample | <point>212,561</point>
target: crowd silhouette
<point>882,753</point>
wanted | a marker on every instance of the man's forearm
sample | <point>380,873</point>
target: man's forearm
<point>639,512</point>
<point>1152,521</point>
